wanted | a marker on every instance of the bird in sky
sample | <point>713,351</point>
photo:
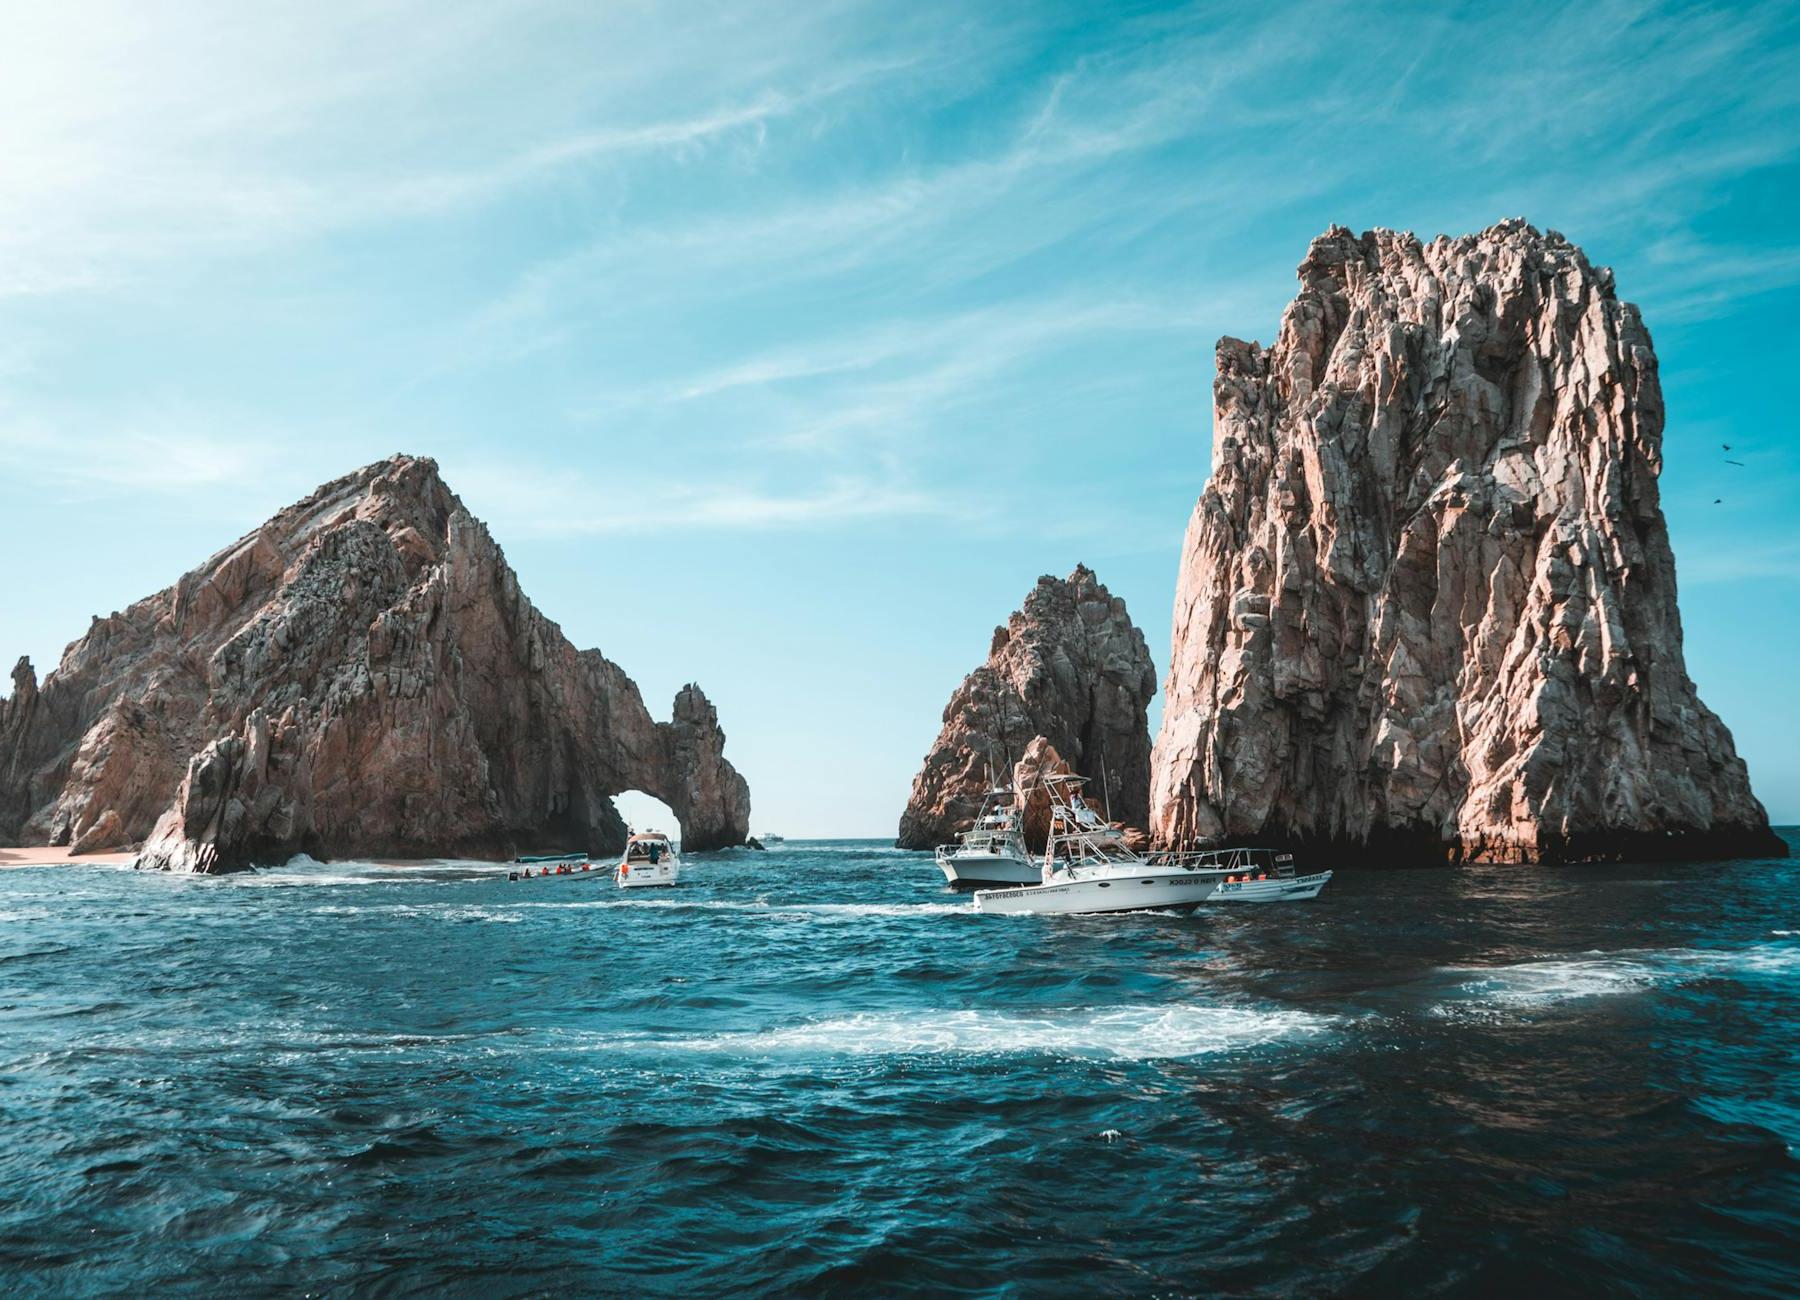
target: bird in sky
<point>1729,461</point>
<point>1726,446</point>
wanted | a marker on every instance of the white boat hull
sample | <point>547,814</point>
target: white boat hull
<point>977,869</point>
<point>1273,890</point>
<point>1120,893</point>
<point>642,875</point>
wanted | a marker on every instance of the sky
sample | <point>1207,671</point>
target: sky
<point>889,308</point>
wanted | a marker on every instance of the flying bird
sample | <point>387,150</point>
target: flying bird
<point>1726,446</point>
<point>1718,501</point>
<point>1739,463</point>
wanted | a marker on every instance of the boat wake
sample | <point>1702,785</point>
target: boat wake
<point>1122,1033</point>
<point>763,907</point>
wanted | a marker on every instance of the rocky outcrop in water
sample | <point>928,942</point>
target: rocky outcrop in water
<point>359,676</point>
<point>1069,667</point>
<point>1427,604</point>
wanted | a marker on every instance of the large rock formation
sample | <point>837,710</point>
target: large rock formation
<point>1069,667</point>
<point>359,676</point>
<point>1426,607</point>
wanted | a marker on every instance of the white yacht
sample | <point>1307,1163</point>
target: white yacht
<point>1088,867</point>
<point>992,851</point>
<point>649,859</point>
<point>770,837</point>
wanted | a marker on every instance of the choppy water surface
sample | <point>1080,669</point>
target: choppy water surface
<point>814,1070</point>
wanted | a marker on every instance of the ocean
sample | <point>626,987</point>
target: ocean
<point>815,1071</point>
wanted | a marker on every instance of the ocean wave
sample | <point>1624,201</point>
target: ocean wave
<point>1124,1033</point>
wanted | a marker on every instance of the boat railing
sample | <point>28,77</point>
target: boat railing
<point>1259,861</point>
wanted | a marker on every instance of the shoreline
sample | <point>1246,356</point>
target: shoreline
<point>40,855</point>
<point>44,855</point>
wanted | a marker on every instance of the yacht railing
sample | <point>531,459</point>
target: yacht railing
<point>1266,862</point>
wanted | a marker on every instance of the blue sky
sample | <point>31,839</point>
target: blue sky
<point>893,307</point>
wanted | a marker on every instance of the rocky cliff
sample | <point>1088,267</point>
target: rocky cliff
<point>1070,667</point>
<point>359,676</point>
<point>1426,606</point>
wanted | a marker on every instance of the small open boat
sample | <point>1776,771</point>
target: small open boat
<point>1259,876</point>
<point>536,866</point>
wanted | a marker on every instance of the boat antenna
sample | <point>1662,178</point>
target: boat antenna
<point>1105,780</point>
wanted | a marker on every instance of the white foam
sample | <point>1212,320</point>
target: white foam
<point>1759,958</point>
<point>1542,982</point>
<point>301,870</point>
<point>427,911</point>
<point>763,907</point>
<point>1600,974</point>
<point>1128,1033</point>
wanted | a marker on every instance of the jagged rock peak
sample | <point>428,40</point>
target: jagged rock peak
<point>361,675</point>
<point>1427,603</point>
<point>1069,667</point>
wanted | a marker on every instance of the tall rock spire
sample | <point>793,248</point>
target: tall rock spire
<point>1427,603</point>
<point>1069,666</point>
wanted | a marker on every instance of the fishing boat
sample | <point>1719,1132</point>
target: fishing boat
<point>1088,867</point>
<point>992,851</point>
<point>649,860</point>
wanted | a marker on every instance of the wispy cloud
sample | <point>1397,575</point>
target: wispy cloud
<point>527,501</point>
<point>129,142</point>
<point>71,465</point>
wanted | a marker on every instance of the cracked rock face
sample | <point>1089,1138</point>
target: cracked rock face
<point>359,676</point>
<point>1069,668</point>
<point>1427,604</point>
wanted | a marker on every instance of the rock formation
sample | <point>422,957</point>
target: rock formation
<point>1069,667</point>
<point>1030,796</point>
<point>1426,607</point>
<point>359,676</point>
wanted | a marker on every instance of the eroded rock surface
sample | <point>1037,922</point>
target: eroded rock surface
<point>1069,667</point>
<point>1427,604</point>
<point>359,676</point>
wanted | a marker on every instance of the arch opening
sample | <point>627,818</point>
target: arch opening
<point>645,812</point>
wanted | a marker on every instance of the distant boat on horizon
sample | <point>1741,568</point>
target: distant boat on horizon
<point>770,837</point>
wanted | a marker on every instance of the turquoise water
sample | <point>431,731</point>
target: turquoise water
<point>814,1070</point>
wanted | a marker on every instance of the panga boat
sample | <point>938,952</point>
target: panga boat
<point>649,859</point>
<point>1259,876</point>
<point>1088,867</point>
<point>538,865</point>
<point>992,851</point>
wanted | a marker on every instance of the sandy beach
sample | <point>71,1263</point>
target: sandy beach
<point>40,856</point>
